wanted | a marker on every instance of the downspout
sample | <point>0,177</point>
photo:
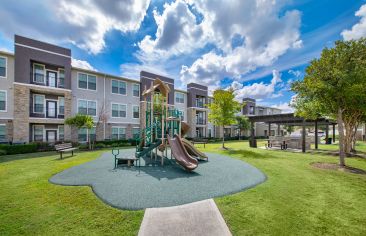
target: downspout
<point>105,105</point>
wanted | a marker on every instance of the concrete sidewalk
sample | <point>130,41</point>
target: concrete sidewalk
<point>197,218</point>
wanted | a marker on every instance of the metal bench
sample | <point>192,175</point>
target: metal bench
<point>65,147</point>
<point>200,141</point>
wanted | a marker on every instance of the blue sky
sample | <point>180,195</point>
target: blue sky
<point>256,46</point>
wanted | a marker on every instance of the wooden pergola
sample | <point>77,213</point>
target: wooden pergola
<point>290,119</point>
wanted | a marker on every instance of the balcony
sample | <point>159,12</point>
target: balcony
<point>201,121</point>
<point>200,103</point>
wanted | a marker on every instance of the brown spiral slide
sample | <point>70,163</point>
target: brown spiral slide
<point>181,155</point>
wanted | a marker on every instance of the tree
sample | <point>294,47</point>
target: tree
<point>289,128</point>
<point>81,121</point>
<point>242,123</point>
<point>335,87</point>
<point>223,109</point>
<point>101,120</point>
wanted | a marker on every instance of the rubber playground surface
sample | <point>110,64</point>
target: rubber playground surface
<point>153,185</point>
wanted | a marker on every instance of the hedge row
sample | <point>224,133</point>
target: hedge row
<point>6,149</point>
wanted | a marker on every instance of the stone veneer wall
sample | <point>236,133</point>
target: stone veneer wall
<point>21,113</point>
<point>191,118</point>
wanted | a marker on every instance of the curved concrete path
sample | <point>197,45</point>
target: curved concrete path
<point>150,187</point>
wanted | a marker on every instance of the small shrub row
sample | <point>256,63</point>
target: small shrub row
<point>7,149</point>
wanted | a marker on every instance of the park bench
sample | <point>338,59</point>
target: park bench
<point>200,141</point>
<point>65,147</point>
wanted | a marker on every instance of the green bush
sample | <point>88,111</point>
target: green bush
<point>83,146</point>
<point>100,145</point>
<point>2,152</point>
<point>19,148</point>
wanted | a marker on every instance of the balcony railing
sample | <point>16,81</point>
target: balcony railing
<point>200,103</point>
<point>200,121</point>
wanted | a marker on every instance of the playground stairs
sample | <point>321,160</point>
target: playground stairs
<point>147,149</point>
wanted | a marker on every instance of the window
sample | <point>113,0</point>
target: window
<point>2,132</point>
<point>118,133</point>
<point>61,78</point>
<point>38,101</point>
<point>38,73</point>
<point>251,110</point>
<point>92,134</point>
<point>136,132</point>
<point>119,110</point>
<point>83,107</point>
<point>86,81</point>
<point>136,90</point>
<point>87,107</point>
<point>83,135</point>
<point>136,112</point>
<point>61,132</point>
<point>179,97</point>
<point>92,108</point>
<point>119,87</point>
<point>3,100</point>
<point>61,105</point>
<point>3,65</point>
<point>38,133</point>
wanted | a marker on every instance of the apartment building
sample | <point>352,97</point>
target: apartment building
<point>39,89</point>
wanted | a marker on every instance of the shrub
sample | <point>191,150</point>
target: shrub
<point>19,148</point>
<point>2,152</point>
<point>83,146</point>
<point>100,145</point>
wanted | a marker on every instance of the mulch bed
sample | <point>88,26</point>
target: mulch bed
<point>333,166</point>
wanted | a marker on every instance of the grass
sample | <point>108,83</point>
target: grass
<point>296,199</point>
<point>30,205</point>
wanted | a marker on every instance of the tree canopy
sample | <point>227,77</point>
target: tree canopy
<point>334,86</point>
<point>223,109</point>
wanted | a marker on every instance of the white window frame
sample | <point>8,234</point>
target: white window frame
<point>6,101</point>
<point>118,134</point>
<point>6,67</point>
<point>114,103</point>
<point>184,99</point>
<point>118,81</point>
<point>44,73</point>
<point>58,132</point>
<point>87,81</point>
<point>133,112</point>
<point>133,90</point>
<point>44,104</point>
<point>87,107</point>
<point>133,129</point>
<point>6,133</point>
<point>43,135</point>
<point>58,106</point>
<point>58,77</point>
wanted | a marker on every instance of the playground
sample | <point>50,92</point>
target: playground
<point>136,188</point>
<point>164,169</point>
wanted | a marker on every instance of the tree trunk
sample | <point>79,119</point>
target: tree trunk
<point>223,137</point>
<point>239,134</point>
<point>341,138</point>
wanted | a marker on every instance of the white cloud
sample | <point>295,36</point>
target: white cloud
<point>132,70</point>
<point>259,90</point>
<point>285,107</point>
<point>359,29</point>
<point>83,23</point>
<point>82,64</point>
<point>295,73</point>
<point>177,32</point>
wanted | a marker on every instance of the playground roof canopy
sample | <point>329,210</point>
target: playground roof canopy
<point>290,119</point>
<point>157,84</point>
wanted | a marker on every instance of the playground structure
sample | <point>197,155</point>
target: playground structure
<point>161,128</point>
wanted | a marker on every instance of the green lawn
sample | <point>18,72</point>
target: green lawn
<point>296,199</point>
<point>30,205</point>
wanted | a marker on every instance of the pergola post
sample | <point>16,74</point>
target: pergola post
<point>269,129</point>
<point>316,134</point>
<point>326,134</point>
<point>333,133</point>
<point>303,137</point>
<point>252,142</point>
